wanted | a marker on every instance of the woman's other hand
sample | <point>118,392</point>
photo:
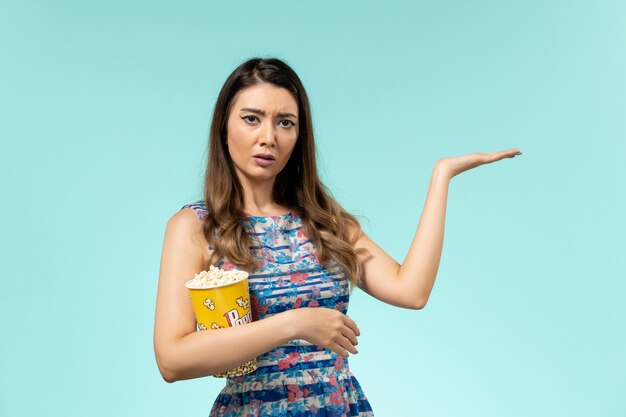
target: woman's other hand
<point>326,327</point>
<point>455,165</point>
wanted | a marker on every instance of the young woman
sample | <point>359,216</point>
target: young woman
<point>266,211</point>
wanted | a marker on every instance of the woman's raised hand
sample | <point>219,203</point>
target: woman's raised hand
<point>328,328</point>
<point>455,165</point>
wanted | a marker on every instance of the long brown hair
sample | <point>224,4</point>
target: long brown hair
<point>297,186</point>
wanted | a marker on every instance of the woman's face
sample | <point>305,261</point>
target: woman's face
<point>263,120</point>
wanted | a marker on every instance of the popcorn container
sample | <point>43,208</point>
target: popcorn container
<point>224,305</point>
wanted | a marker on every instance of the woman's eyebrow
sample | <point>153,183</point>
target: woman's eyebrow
<point>262,113</point>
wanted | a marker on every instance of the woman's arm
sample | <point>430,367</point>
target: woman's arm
<point>409,285</point>
<point>420,266</point>
<point>181,352</point>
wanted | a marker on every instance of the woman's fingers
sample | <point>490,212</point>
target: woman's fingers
<point>351,336</point>
<point>350,323</point>
<point>345,346</point>
<point>339,350</point>
<point>509,153</point>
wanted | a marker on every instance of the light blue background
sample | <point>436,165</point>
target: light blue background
<point>105,111</point>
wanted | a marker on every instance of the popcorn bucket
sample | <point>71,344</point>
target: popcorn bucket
<point>224,305</point>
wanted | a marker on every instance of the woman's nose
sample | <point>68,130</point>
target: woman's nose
<point>268,135</point>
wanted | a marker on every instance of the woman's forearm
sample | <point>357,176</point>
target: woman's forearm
<point>421,264</point>
<point>211,352</point>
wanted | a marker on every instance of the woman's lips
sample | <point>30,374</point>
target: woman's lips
<point>263,162</point>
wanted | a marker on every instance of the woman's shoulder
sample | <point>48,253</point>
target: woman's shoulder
<point>184,226</point>
<point>198,207</point>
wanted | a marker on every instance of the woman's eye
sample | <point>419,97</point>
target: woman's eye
<point>251,118</point>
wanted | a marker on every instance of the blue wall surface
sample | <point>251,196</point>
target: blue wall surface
<point>105,110</point>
